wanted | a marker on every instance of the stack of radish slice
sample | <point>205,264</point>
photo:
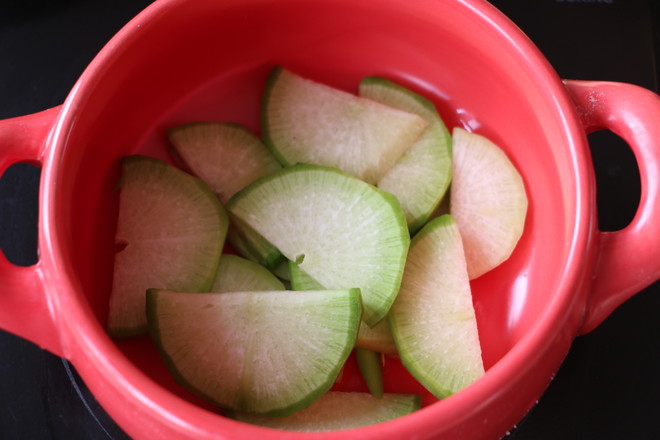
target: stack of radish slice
<point>321,210</point>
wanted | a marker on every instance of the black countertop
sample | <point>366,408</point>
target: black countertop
<point>608,386</point>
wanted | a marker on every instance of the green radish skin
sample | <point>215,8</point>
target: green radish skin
<point>252,245</point>
<point>336,411</point>
<point>432,319</point>
<point>488,200</point>
<point>371,367</point>
<point>267,352</point>
<point>282,272</point>
<point>239,274</point>
<point>378,339</point>
<point>420,178</point>
<point>224,155</point>
<point>304,121</point>
<point>172,228</point>
<point>240,246</point>
<point>342,231</point>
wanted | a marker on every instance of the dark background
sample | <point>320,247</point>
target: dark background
<point>607,388</point>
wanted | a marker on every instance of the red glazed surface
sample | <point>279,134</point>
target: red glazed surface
<point>207,60</point>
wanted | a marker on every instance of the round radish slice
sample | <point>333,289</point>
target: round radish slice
<point>267,352</point>
<point>172,230</point>
<point>432,320</point>
<point>488,200</point>
<point>341,231</point>
<point>224,155</point>
<point>420,178</point>
<point>304,121</point>
<point>339,410</point>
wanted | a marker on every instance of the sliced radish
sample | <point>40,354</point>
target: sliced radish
<point>420,178</point>
<point>252,245</point>
<point>282,272</point>
<point>172,229</point>
<point>371,368</point>
<point>268,352</point>
<point>339,410</point>
<point>237,274</point>
<point>488,200</point>
<point>433,320</point>
<point>228,158</point>
<point>304,121</point>
<point>368,360</point>
<point>379,338</point>
<point>224,155</point>
<point>340,230</point>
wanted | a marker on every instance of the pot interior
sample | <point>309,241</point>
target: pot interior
<point>208,60</point>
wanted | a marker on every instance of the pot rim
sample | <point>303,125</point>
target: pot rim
<point>90,349</point>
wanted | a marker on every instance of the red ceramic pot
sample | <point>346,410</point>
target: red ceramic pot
<point>181,61</point>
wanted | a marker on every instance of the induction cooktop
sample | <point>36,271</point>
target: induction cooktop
<point>608,386</point>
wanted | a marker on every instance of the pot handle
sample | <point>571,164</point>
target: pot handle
<point>629,259</point>
<point>24,306</point>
